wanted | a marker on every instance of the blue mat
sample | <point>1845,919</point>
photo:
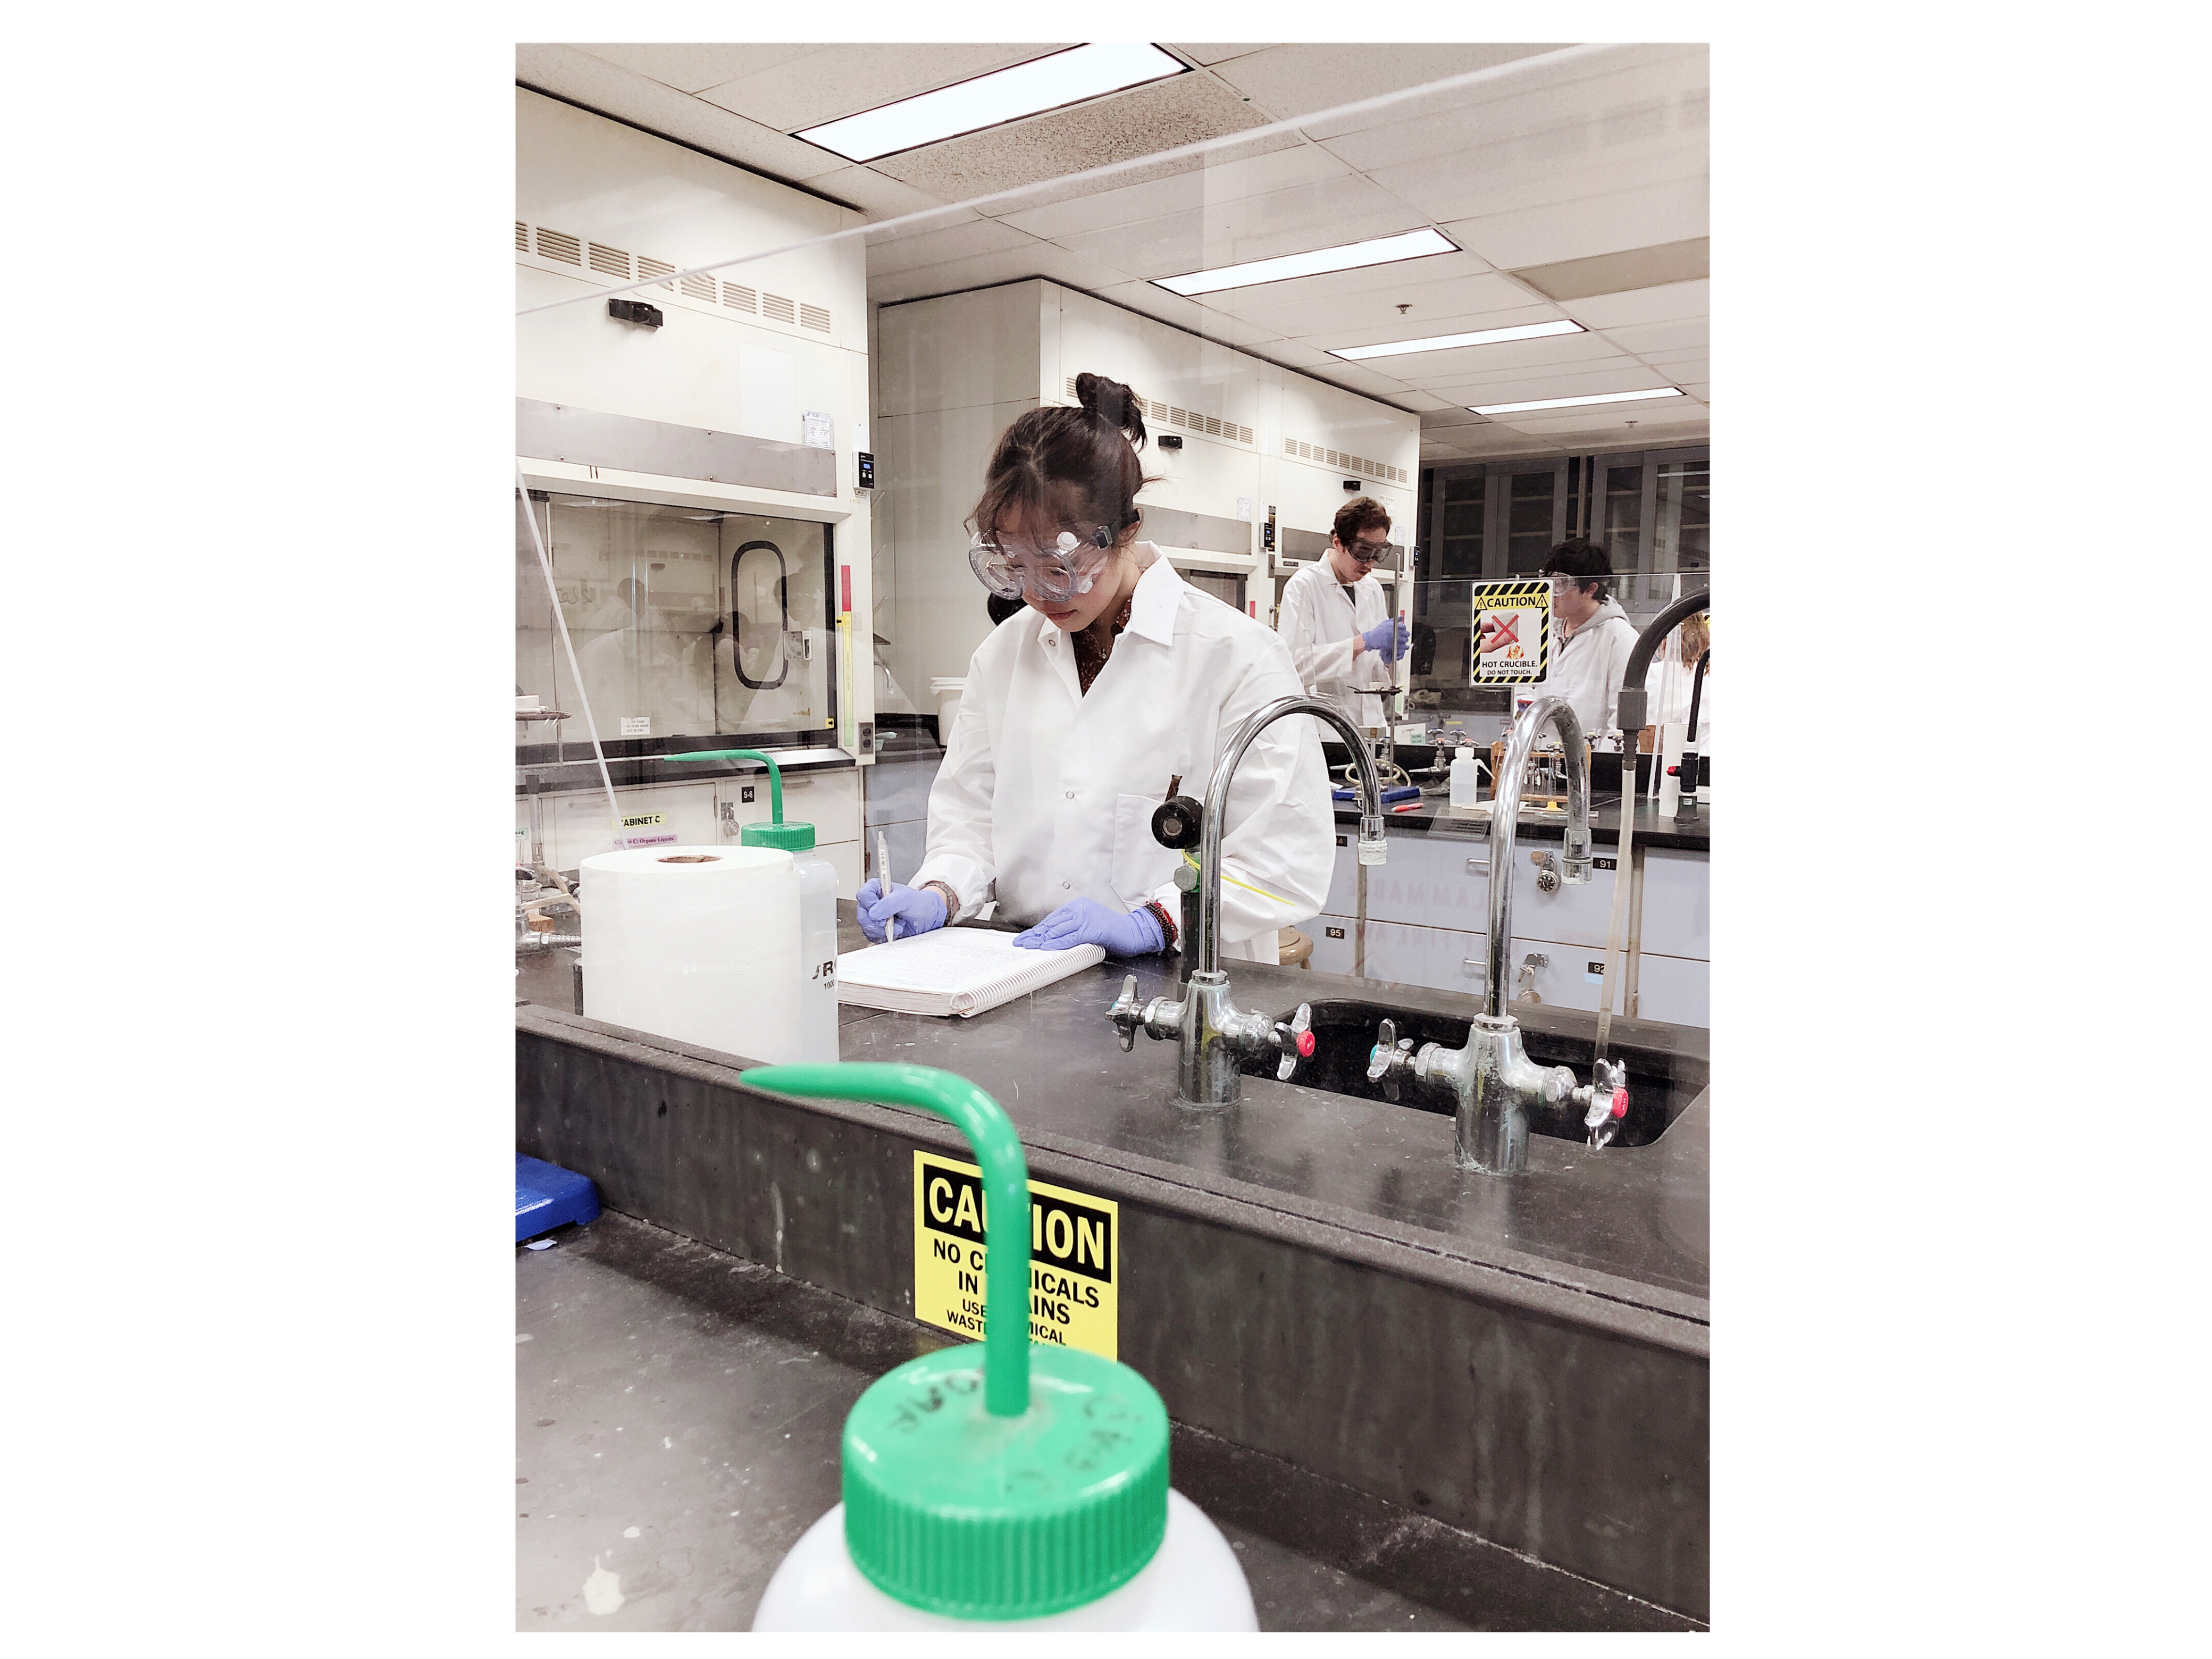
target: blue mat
<point>546,1196</point>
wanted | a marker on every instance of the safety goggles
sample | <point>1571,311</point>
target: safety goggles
<point>1368,552</point>
<point>1011,568</point>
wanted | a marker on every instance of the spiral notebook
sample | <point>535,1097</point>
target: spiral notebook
<point>952,971</point>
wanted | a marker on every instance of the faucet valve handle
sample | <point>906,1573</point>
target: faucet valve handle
<point>1387,1061</point>
<point>1127,1015</point>
<point>1605,1100</point>
<point>1296,1040</point>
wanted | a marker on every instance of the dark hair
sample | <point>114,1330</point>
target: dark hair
<point>1063,465</point>
<point>1001,608</point>
<point>1360,513</point>
<point>1590,567</point>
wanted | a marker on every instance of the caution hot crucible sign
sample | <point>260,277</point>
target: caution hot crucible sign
<point>1074,1258</point>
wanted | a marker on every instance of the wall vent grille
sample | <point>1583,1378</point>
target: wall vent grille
<point>617,263</point>
<point>1306,452</point>
<point>1166,414</point>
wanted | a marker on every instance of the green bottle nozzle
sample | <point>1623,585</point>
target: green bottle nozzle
<point>998,1151</point>
<point>775,772</point>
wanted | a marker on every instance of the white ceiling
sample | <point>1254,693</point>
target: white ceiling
<point>1604,155</point>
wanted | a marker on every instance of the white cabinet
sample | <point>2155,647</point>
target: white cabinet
<point>1438,958</point>
<point>577,824</point>
<point>1428,919</point>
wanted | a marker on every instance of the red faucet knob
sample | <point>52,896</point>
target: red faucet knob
<point>1621,1103</point>
<point>1305,1045</point>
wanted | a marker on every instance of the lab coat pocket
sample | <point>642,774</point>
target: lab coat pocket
<point>1141,865</point>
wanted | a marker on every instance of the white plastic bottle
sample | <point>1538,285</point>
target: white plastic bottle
<point>999,1484</point>
<point>817,935</point>
<point>1466,784</point>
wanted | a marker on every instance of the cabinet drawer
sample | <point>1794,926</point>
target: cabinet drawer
<point>1330,956</point>
<point>1432,884</point>
<point>1677,899</point>
<point>1676,989</point>
<point>1436,958</point>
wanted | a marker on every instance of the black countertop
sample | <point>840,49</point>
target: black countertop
<point>1627,1224</point>
<point>1434,814</point>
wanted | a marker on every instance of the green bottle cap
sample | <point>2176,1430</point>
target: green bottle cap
<point>999,1480</point>
<point>791,837</point>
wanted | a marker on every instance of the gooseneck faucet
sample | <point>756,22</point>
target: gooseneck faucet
<point>1215,1035</point>
<point>1493,1080</point>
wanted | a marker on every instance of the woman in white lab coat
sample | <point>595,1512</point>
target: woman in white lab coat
<point>1118,684</point>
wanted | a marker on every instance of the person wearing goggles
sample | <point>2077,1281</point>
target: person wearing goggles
<point>1116,684</point>
<point>1591,638</point>
<point>1343,635</point>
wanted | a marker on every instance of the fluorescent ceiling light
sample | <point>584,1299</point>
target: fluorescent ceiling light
<point>993,100</point>
<point>1382,250</point>
<point>1446,342</point>
<point>1575,402</point>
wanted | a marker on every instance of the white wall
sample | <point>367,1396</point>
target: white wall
<point>709,365</point>
<point>953,372</point>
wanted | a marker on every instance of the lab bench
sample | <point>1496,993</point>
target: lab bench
<point>1518,1365</point>
<point>1427,908</point>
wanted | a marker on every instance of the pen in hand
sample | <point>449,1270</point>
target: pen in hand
<point>884,882</point>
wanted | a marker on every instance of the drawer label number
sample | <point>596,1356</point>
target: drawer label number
<point>1334,933</point>
<point>1075,1242</point>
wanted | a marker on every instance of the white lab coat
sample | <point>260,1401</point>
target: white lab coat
<point>1045,795</point>
<point>1317,621</point>
<point>1586,668</point>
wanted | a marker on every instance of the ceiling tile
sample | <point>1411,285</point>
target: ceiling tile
<point>1479,365</point>
<point>845,80</point>
<point>1323,215</point>
<point>1206,185</point>
<point>572,73</point>
<point>1211,54</point>
<point>1487,301</point>
<point>876,195</point>
<point>1580,382</point>
<point>1624,272</point>
<point>1430,275</point>
<point>691,68</point>
<point>908,250</point>
<point>1660,337</point>
<point>1682,360</point>
<point>1138,123</point>
<point>1289,80</point>
<point>1671,212</point>
<point>1562,422</point>
<point>1427,404</point>
<point>1012,264</point>
<point>1670,302</point>
<point>1468,185</point>
<point>1550,107</point>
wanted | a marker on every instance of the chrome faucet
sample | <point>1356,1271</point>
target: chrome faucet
<point>1493,1080</point>
<point>1215,1035</point>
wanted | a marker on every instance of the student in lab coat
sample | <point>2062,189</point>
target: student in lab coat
<point>1591,637</point>
<point>1119,681</point>
<point>1337,620</point>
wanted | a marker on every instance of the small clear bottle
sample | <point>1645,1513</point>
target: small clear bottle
<point>1466,782</point>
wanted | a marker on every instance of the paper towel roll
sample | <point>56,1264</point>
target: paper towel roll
<point>700,943</point>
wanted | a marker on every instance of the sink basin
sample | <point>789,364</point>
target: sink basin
<point>1660,1085</point>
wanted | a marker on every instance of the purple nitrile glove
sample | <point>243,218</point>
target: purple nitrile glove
<point>1086,921</point>
<point>919,910</point>
<point>1388,636</point>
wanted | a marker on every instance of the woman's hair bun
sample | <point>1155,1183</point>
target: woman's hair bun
<point>1114,402</point>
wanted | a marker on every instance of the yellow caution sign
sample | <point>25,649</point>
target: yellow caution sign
<point>1075,1263</point>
